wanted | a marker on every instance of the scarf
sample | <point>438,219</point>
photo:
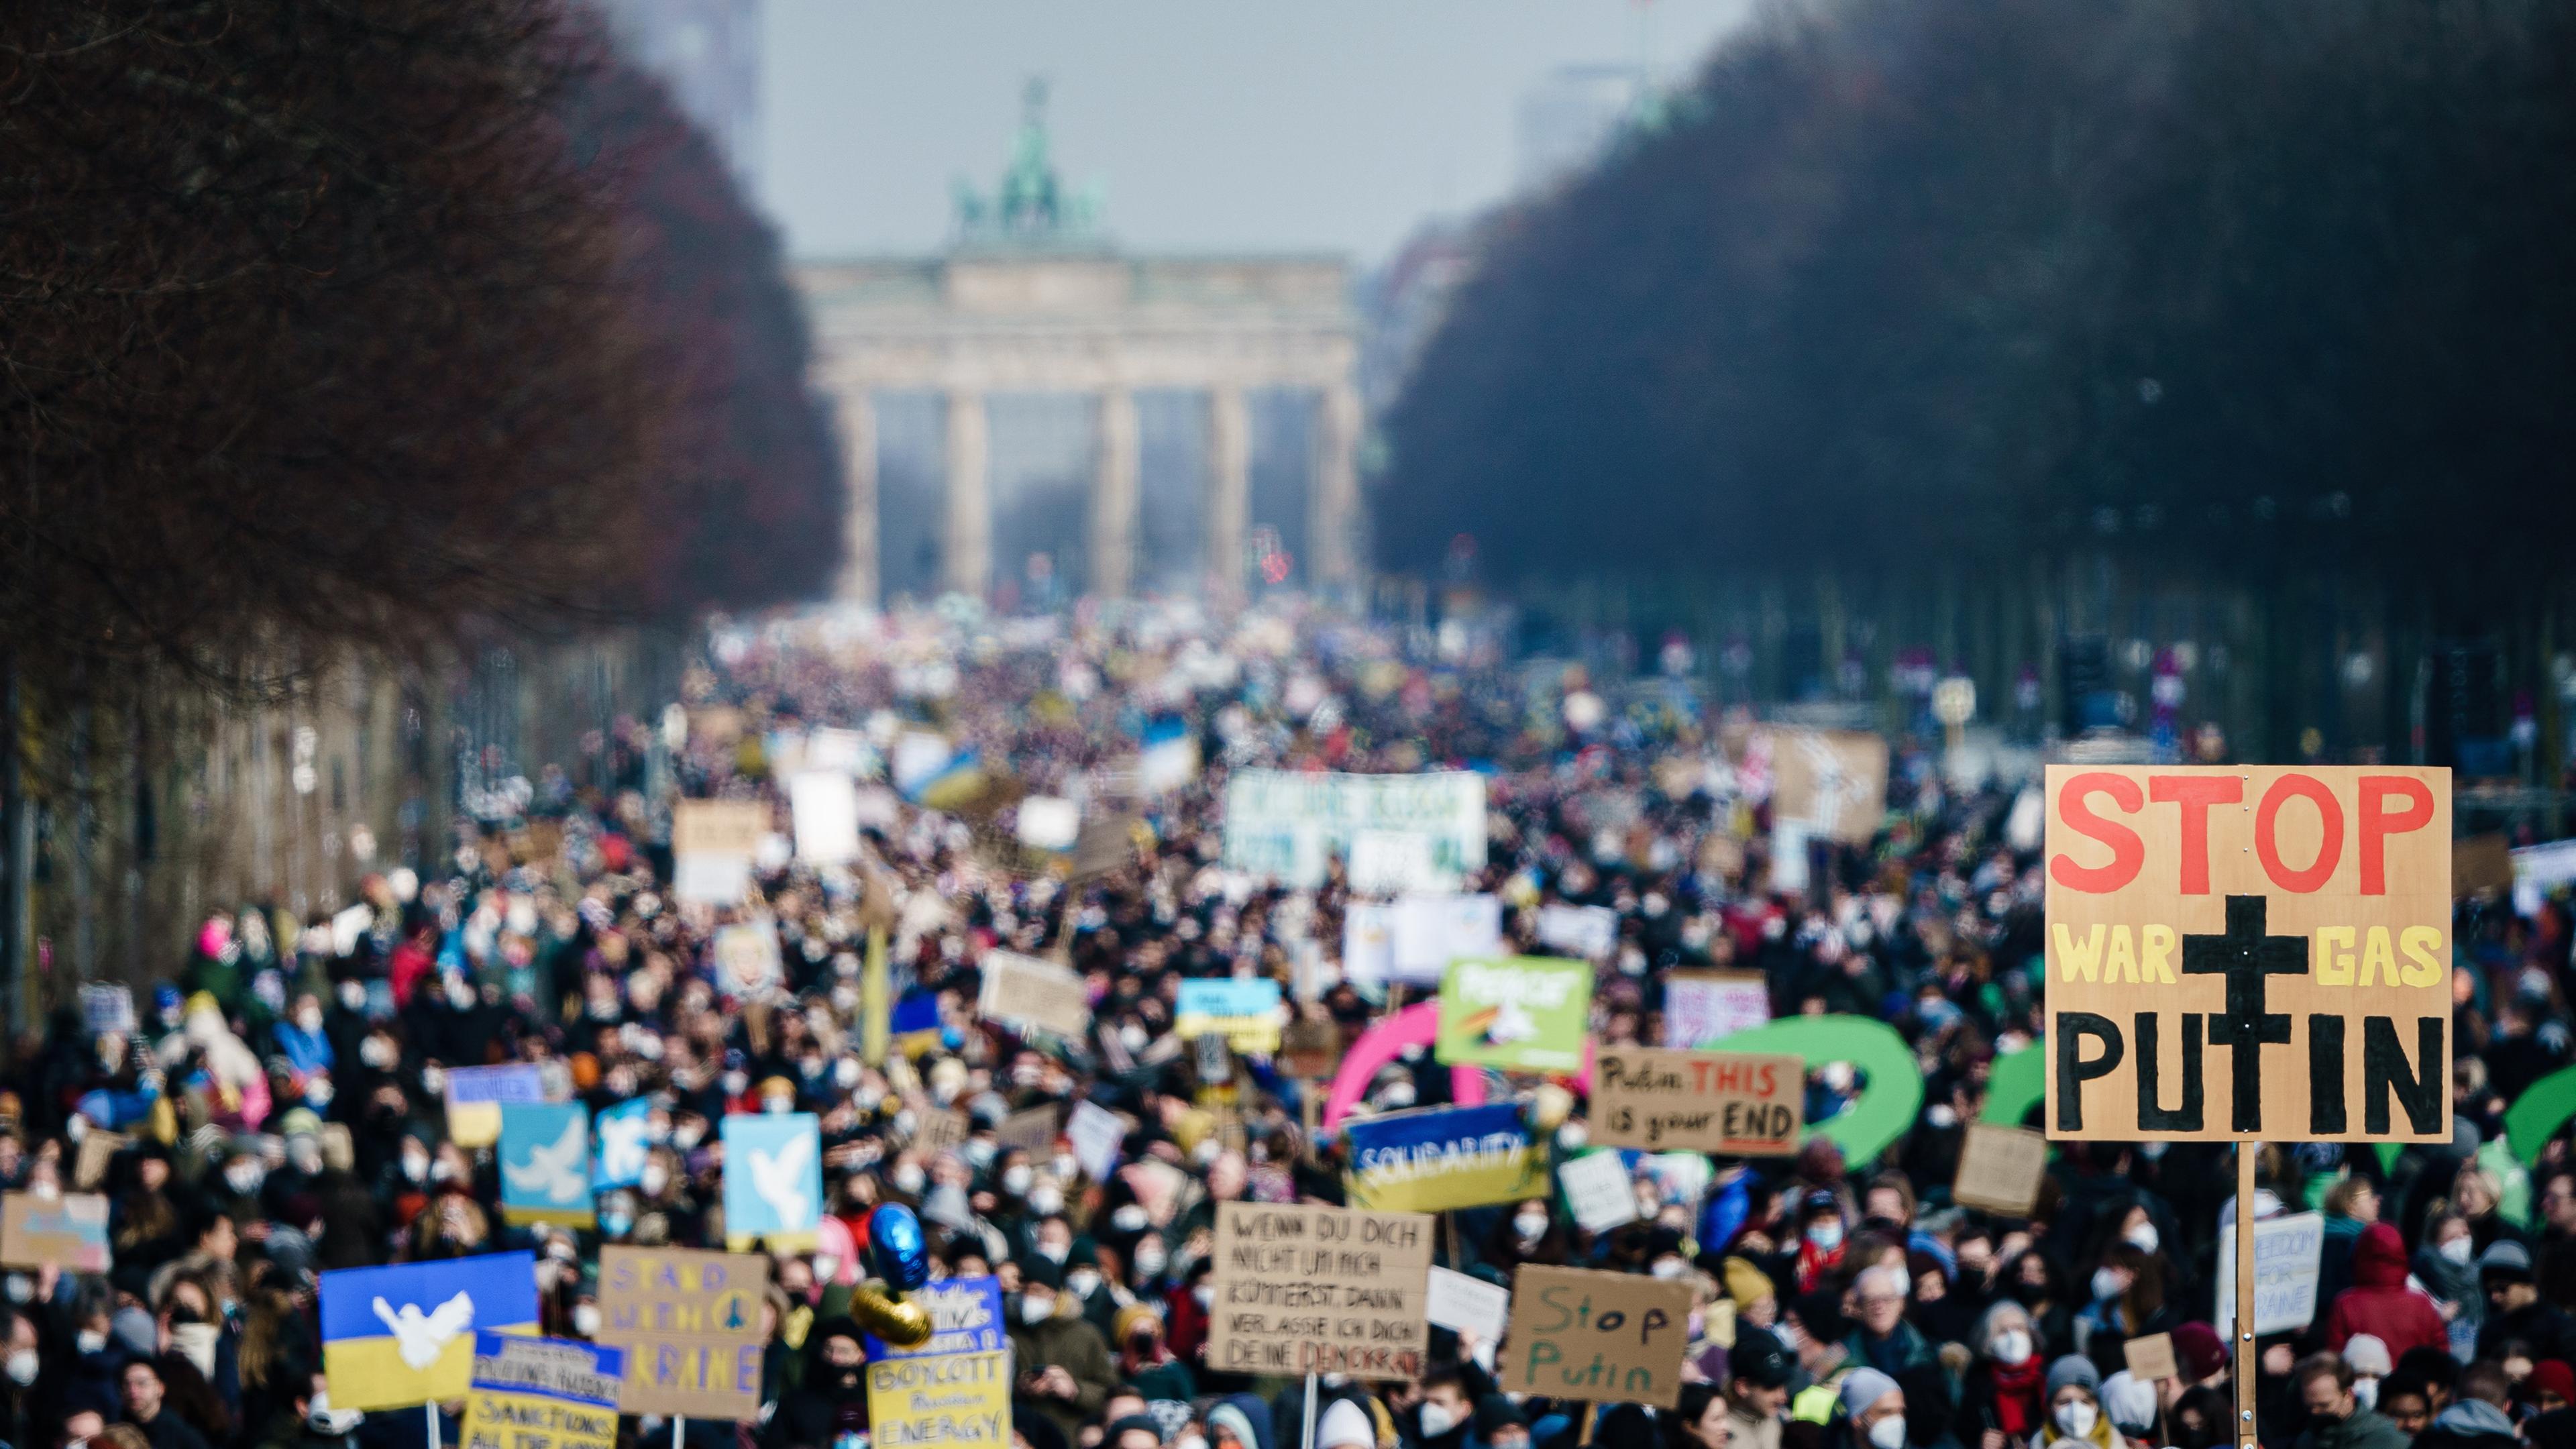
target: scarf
<point>1814,1263</point>
<point>2017,1395</point>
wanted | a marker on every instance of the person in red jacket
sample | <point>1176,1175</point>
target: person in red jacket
<point>2379,1302</point>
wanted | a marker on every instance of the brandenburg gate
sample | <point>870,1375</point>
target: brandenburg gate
<point>1028,299</point>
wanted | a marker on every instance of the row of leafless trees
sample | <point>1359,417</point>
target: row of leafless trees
<point>372,321</point>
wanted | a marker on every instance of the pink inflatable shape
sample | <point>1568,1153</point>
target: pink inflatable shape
<point>1416,1025</point>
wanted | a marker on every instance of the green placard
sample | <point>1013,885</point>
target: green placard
<point>1521,1013</point>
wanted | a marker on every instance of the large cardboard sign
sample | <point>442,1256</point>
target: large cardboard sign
<point>1606,1337</point>
<point>1320,1290</point>
<point>1703,1006</point>
<point>941,1401</point>
<point>712,842</point>
<point>1437,1158</point>
<point>1741,1104</point>
<point>2001,1169</point>
<point>1287,825</point>
<point>1027,992</point>
<point>690,1324</point>
<point>2289,1253</point>
<point>541,1393</point>
<point>2249,953</point>
<point>67,1232</point>
<point>1832,781</point>
<point>1524,1012</point>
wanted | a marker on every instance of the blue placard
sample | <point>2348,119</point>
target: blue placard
<point>545,1162</point>
<point>1443,1158</point>
<point>965,1317</point>
<point>1227,996</point>
<point>516,1082</point>
<point>773,1178</point>
<point>620,1145</point>
<point>493,1371</point>
<point>404,1334</point>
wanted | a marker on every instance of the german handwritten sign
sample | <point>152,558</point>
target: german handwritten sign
<point>1605,1337</point>
<point>1743,1104</point>
<point>690,1324</point>
<point>2247,953</point>
<point>1320,1290</point>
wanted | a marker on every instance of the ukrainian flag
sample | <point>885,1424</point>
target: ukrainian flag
<point>404,1335</point>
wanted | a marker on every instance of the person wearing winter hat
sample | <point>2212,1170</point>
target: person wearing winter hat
<point>1345,1425</point>
<point>2130,1403</point>
<point>2370,1362</point>
<point>2552,1385</point>
<point>2515,1309</point>
<point>2075,1416</point>
<point>2379,1302</point>
<point>1757,1389</point>
<point>2003,1389</point>
<point>1872,1410</point>
<point>2200,1354</point>
<point>1064,1369</point>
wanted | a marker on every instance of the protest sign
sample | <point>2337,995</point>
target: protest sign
<point>1285,825</point>
<point>919,756</point>
<point>2481,865</point>
<point>1518,1012</point>
<point>1247,1013</point>
<point>941,1401</point>
<point>541,1393</point>
<point>773,1179</point>
<point>98,1148</point>
<point>965,1317</point>
<point>1096,1134</point>
<point>2001,1169</point>
<point>1368,943</point>
<point>748,962</point>
<point>1168,758</point>
<point>2288,1254</point>
<point>1310,1050</point>
<point>1031,1131</point>
<point>937,1129</point>
<point>1049,822</point>
<point>545,1163</point>
<point>1599,1190</point>
<point>1466,1304</point>
<point>403,1335</point>
<point>1390,862</point>
<point>690,1324</point>
<point>1591,932</point>
<point>619,1147</point>
<point>825,807</point>
<point>1429,932</point>
<point>1102,846</point>
<point>1701,1007</point>
<point>1033,994</point>
<point>1743,1104</point>
<point>2303,914</point>
<point>1605,1337</point>
<point>67,1232</point>
<point>475,1094</point>
<point>107,1008</point>
<point>1319,1290</point>
<point>1834,781</point>
<point>718,827</point>
<point>846,751</point>
<point>2152,1358</point>
<point>1443,1157</point>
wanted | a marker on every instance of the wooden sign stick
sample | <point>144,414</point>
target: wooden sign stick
<point>2245,1436</point>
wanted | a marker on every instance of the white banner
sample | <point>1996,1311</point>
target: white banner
<point>1284,825</point>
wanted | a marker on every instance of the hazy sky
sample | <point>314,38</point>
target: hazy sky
<point>1214,125</point>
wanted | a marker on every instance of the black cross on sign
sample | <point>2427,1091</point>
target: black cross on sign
<point>2245,956</point>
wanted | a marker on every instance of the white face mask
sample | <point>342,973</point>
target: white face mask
<point>1016,1179</point>
<point>90,1340</point>
<point>2458,1250</point>
<point>2107,1282</point>
<point>1044,1199</point>
<point>2366,1392</point>
<point>2076,1418</point>
<point>1082,1282</point>
<point>1437,1418</point>
<point>1667,1268</point>
<point>1129,1218</point>
<point>1827,1235</point>
<point>908,1179</point>
<point>1150,1260</point>
<point>1888,1433</point>
<point>22,1367</point>
<point>1531,1226</point>
<point>1036,1310</point>
<point>1054,1252</point>
<point>585,1319</point>
<point>2144,1238</point>
<point>1205,1295</point>
<point>2012,1348</point>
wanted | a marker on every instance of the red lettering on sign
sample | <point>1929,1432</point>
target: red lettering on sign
<point>2195,794</point>
<point>2378,823</point>
<point>2128,852</point>
<point>2267,842</point>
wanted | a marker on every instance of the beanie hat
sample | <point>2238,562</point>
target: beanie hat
<point>2075,1369</point>
<point>1864,1387</point>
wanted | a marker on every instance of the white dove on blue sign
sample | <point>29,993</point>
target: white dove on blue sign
<point>773,1175</point>
<point>621,1145</point>
<point>421,1339</point>
<point>779,1177</point>
<point>554,1171</point>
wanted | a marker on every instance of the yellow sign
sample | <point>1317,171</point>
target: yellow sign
<point>941,1400</point>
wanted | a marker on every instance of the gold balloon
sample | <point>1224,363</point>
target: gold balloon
<point>1551,1105</point>
<point>889,1315</point>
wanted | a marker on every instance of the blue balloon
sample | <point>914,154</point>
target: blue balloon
<point>896,1250</point>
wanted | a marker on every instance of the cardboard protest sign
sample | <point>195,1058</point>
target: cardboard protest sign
<point>475,1094</point>
<point>937,1129</point>
<point>545,1163</point>
<point>690,1324</point>
<point>1102,846</point>
<point>1310,1050</point>
<point>718,827</point>
<point>98,1148</point>
<point>2152,1357</point>
<point>965,1317</point>
<point>1742,1104</point>
<point>2481,865</point>
<point>1605,1337</point>
<point>2001,1169</point>
<point>1832,781</point>
<point>67,1232</point>
<point>1247,1014</point>
<point>1524,1012</point>
<point>2288,1256</point>
<point>1598,1190</point>
<point>773,1179</point>
<point>748,961</point>
<point>1701,1007</point>
<point>1032,1131</point>
<point>1319,1290</point>
<point>1027,992</point>
<point>1097,1134</point>
<point>941,1401</point>
<point>1466,1304</point>
<point>2249,952</point>
<point>1443,1157</point>
<point>1426,933</point>
<point>403,1335</point>
<point>542,1393</point>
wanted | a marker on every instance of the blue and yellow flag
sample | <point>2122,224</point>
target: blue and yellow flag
<point>404,1335</point>
<point>1442,1157</point>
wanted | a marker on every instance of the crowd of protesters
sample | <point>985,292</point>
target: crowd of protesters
<point>278,1102</point>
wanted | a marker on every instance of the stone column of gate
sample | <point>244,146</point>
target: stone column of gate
<point>857,411</point>
<point>1229,507</point>
<point>966,553</point>
<point>1114,497</point>
<point>1332,502</point>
